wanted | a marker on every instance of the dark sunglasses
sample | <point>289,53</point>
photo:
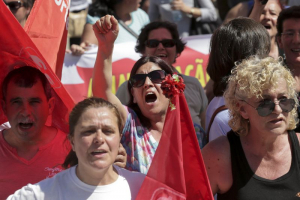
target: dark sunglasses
<point>167,43</point>
<point>267,107</point>
<point>14,5</point>
<point>156,76</point>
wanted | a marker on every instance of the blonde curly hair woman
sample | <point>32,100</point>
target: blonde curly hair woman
<point>258,159</point>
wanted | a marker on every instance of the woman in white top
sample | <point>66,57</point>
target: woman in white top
<point>95,126</point>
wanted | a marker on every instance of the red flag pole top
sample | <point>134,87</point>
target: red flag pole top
<point>177,170</point>
<point>17,50</point>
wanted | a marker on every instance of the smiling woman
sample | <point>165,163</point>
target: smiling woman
<point>95,126</point>
<point>144,117</point>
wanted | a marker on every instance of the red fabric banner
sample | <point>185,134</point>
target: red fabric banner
<point>46,26</point>
<point>18,50</point>
<point>177,170</point>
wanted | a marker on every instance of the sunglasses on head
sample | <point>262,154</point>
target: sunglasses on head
<point>267,107</point>
<point>156,76</point>
<point>14,5</point>
<point>167,43</point>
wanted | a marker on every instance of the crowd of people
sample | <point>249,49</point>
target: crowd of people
<point>246,119</point>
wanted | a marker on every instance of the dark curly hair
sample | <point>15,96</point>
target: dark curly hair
<point>171,27</point>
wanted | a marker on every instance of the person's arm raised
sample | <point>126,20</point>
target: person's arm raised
<point>106,30</point>
<point>257,10</point>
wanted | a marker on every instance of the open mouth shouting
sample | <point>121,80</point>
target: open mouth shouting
<point>25,125</point>
<point>150,97</point>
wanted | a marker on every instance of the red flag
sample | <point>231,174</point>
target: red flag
<point>177,170</point>
<point>18,50</point>
<point>46,26</point>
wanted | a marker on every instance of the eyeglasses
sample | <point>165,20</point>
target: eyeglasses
<point>167,43</point>
<point>290,34</point>
<point>156,76</point>
<point>14,5</point>
<point>267,107</point>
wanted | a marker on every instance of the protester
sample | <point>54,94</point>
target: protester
<point>267,15</point>
<point>164,10</point>
<point>144,117</point>
<point>20,9</point>
<point>30,150</point>
<point>95,126</point>
<point>133,20</point>
<point>234,41</point>
<point>148,45</point>
<point>288,25</point>
<point>258,159</point>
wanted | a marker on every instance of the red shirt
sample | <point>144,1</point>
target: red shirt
<point>16,172</point>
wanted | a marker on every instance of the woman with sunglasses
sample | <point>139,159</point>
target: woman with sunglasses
<point>161,39</point>
<point>144,117</point>
<point>20,9</point>
<point>237,40</point>
<point>259,158</point>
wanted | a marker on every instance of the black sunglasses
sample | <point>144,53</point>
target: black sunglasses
<point>267,107</point>
<point>14,5</point>
<point>167,43</point>
<point>156,76</point>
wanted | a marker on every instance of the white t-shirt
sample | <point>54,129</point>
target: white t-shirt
<point>66,185</point>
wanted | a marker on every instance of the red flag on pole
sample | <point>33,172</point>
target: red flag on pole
<point>46,26</point>
<point>18,50</point>
<point>177,170</point>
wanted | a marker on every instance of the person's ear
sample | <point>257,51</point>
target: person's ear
<point>242,110</point>
<point>3,104</point>
<point>51,104</point>
<point>71,139</point>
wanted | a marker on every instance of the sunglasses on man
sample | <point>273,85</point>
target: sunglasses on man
<point>14,5</point>
<point>156,76</point>
<point>167,43</point>
<point>267,107</point>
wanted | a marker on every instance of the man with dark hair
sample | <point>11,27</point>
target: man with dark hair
<point>30,150</point>
<point>288,26</point>
<point>161,39</point>
<point>20,9</point>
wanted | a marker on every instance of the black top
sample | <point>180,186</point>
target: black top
<point>248,186</point>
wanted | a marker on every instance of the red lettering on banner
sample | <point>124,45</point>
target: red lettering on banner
<point>191,63</point>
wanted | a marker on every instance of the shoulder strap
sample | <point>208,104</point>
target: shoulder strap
<point>221,108</point>
<point>128,29</point>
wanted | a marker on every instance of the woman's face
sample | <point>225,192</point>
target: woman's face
<point>269,16</point>
<point>168,54</point>
<point>96,139</point>
<point>150,97</point>
<point>277,121</point>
